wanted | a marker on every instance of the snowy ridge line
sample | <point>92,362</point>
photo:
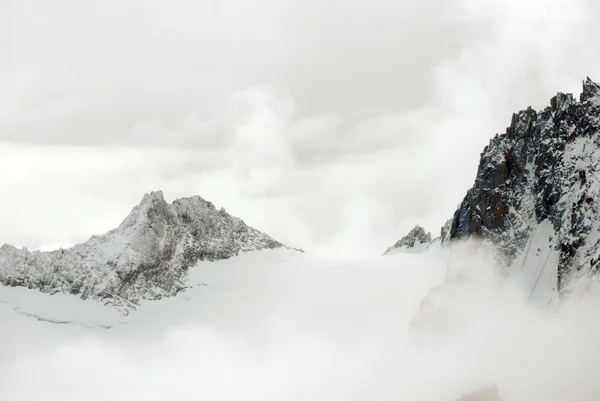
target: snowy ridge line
<point>418,241</point>
<point>146,258</point>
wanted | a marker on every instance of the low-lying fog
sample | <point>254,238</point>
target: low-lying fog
<point>283,326</point>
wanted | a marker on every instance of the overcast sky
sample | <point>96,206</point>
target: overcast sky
<point>332,125</point>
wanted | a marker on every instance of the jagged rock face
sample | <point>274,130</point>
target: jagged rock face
<point>545,166</point>
<point>445,233</point>
<point>146,257</point>
<point>416,239</point>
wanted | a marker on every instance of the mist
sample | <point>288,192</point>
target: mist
<point>282,326</point>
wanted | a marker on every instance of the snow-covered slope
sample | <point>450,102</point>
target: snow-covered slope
<point>536,267</point>
<point>266,325</point>
<point>146,257</point>
<point>546,167</point>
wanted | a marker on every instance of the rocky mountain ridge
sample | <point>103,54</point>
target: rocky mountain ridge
<point>545,167</point>
<point>417,240</point>
<point>146,257</point>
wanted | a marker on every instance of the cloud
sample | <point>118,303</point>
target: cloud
<point>259,158</point>
<point>260,334</point>
<point>156,61</point>
<point>348,123</point>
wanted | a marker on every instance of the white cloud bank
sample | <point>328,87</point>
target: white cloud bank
<point>332,126</point>
<point>277,326</point>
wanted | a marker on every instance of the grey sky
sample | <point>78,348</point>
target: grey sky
<point>332,125</point>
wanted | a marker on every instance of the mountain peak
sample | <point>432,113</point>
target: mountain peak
<point>415,241</point>
<point>418,233</point>
<point>151,199</point>
<point>546,168</point>
<point>590,90</point>
<point>149,205</point>
<point>158,195</point>
<point>146,257</point>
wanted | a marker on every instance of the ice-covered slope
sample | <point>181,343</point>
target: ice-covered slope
<point>546,167</point>
<point>146,257</point>
<point>536,267</point>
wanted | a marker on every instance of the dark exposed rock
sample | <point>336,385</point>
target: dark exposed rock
<point>590,90</point>
<point>545,166</point>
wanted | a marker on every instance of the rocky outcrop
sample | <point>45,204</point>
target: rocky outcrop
<point>146,257</point>
<point>546,166</point>
<point>445,233</point>
<point>416,240</point>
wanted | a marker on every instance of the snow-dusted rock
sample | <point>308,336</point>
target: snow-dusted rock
<point>415,241</point>
<point>146,257</point>
<point>545,167</point>
<point>445,233</point>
